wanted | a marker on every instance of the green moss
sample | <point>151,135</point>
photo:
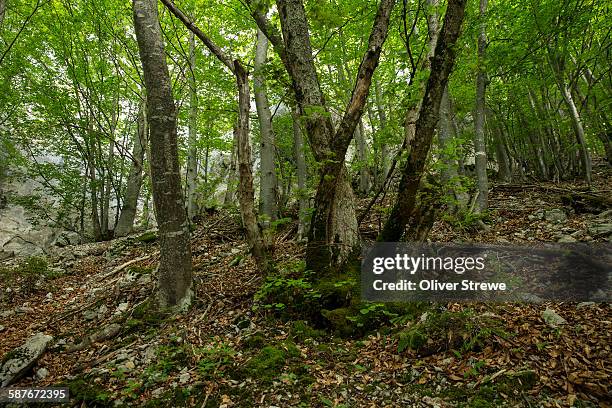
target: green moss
<point>340,323</point>
<point>147,237</point>
<point>85,391</point>
<point>266,365</point>
<point>301,331</point>
<point>412,338</point>
<point>255,340</point>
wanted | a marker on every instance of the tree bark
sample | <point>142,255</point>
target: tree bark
<point>174,272</point>
<point>385,164</point>
<point>134,181</point>
<point>300,163</point>
<point>441,67</point>
<point>480,149</point>
<point>246,195</point>
<point>192,158</point>
<point>558,69</point>
<point>268,184</point>
<point>230,189</point>
<point>2,11</point>
<point>334,231</point>
<point>457,199</point>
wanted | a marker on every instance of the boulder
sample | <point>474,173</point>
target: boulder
<point>555,215</point>
<point>552,318</point>
<point>600,229</point>
<point>19,361</point>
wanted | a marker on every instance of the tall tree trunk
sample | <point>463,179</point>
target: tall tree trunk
<point>480,148</point>
<point>334,231</point>
<point>268,184</point>
<point>93,183</point>
<point>2,11</point>
<point>362,157</point>
<point>106,190</point>
<point>503,159</point>
<point>558,70</point>
<point>457,198</point>
<point>192,158</point>
<point>603,129</point>
<point>300,163</point>
<point>385,164</point>
<point>134,181</point>
<point>230,190</point>
<point>441,67</point>
<point>246,194</point>
<point>174,272</point>
<point>412,115</point>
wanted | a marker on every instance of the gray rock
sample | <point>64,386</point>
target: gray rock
<point>567,239</point>
<point>585,304</point>
<point>184,378</point>
<point>23,358</point>
<point>1,327</point>
<point>42,373</point>
<point>90,314</point>
<point>102,311</point>
<point>122,308</point>
<point>605,216</point>
<point>552,318</point>
<point>555,215</point>
<point>602,229</point>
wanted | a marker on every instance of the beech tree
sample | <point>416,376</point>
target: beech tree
<point>333,231</point>
<point>174,271</point>
<point>441,66</point>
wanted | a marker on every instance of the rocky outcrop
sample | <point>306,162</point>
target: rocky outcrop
<point>16,363</point>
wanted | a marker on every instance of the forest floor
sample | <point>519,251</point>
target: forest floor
<point>222,353</point>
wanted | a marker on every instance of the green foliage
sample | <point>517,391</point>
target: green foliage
<point>444,330</point>
<point>214,359</point>
<point>27,273</point>
<point>84,390</point>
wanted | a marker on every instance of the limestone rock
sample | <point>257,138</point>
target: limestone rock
<point>555,215</point>
<point>22,359</point>
<point>552,318</point>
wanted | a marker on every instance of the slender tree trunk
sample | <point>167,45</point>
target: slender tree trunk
<point>384,146</point>
<point>412,115</point>
<point>457,198</point>
<point>106,190</point>
<point>134,181</point>
<point>300,163</point>
<point>558,69</point>
<point>268,184</point>
<point>192,159</point>
<point>334,233</point>
<point>362,157</point>
<point>230,191</point>
<point>603,127</point>
<point>503,159</point>
<point>441,66</point>
<point>93,187</point>
<point>246,194</point>
<point>2,11</point>
<point>480,148</point>
<point>174,272</point>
